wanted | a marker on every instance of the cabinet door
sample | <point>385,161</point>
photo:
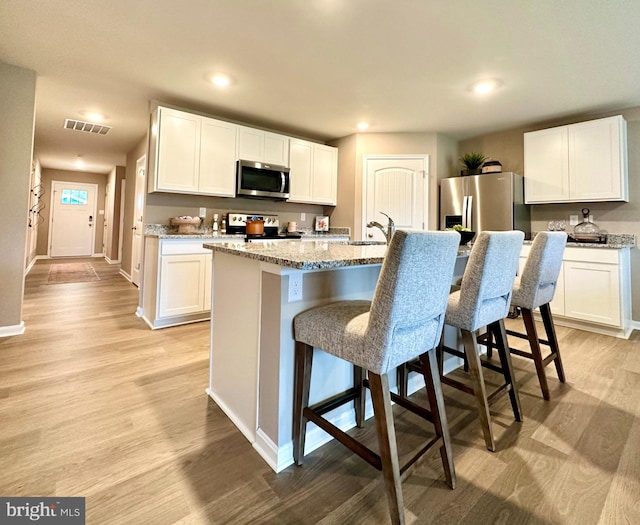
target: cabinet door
<point>276,149</point>
<point>181,285</point>
<point>218,158</point>
<point>546,166</point>
<point>592,292</point>
<point>178,151</point>
<point>596,160</point>
<point>300,164</point>
<point>250,144</point>
<point>325,174</point>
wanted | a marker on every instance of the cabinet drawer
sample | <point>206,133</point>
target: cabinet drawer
<point>596,255</point>
<point>180,247</point>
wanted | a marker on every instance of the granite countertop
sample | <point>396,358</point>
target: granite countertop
<point>312,255</point>
<point>615,241</point>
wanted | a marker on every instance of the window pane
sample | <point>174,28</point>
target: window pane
<point>78,197</point>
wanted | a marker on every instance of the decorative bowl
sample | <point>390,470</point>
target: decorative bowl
<point>186,224</point>
<point>466,237</point>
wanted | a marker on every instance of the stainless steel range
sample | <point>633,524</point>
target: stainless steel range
<point>236,224</point>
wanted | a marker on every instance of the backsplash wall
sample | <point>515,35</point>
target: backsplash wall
<point>161,207</point>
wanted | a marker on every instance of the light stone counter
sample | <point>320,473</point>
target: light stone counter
<point>313,255</point>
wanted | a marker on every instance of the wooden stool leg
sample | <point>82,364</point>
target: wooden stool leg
<point>477,381</point>
<point>436,404</point>
<point>536,352</point>
<point>440,354</point>
<point>381,397</point>
<point>547,319</point>
<point>402,379</point>
<point>358,383</point>
<point>302,380</point>
<point>500,335</point>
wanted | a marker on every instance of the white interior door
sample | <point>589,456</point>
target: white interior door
<point>138,222</point>
<point>396,185</point>
<point>73,219</point>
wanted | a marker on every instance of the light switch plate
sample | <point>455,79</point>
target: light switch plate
<point>203,213</point>
<point>303,216</point>
<point>573,220</point>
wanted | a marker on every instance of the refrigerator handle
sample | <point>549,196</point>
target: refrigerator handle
<point>469,211</point>
<point>464,211</point>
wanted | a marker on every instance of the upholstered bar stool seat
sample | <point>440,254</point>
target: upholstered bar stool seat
<point>403,321</point>
<point>533,289</point>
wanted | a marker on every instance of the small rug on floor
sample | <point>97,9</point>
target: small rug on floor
<point>72,273</point>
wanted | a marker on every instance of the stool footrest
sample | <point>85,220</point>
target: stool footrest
<point>351,443</point>
<point>456,384</point>
<point>335,401</point>
<point>526,337</point>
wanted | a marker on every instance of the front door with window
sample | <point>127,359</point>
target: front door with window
<point>73,219</point>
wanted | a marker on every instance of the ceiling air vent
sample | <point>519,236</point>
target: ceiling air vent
<point>87,127</point>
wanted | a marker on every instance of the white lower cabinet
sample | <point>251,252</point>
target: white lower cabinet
<point>182,282</point>
<point>177,281</point>
<point>593,291</point>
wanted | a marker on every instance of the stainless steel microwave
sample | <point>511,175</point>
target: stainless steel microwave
<point>260,180</point>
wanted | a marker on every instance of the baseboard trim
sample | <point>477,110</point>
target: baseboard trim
<point>246,432</point>
<point>117,261</point>
<point>9,331</point>
<point>125,275</point>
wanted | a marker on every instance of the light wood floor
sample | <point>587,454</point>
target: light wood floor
<point>93,403</point>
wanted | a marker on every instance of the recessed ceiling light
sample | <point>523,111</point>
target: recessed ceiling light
<point>94,117</point>
<point>79,162</point>
<point>483,87</point>
<point>363,125</point>
<point>221,80</point>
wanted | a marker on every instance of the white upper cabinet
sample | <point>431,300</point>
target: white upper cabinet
<point>178,151</point>
<point>314,173</point>
<point>192,154</point>
<point>276,149</point>
<point>262,146</point>
<point>546,158</point>
<point>584,162</point>
<point>217,158</point>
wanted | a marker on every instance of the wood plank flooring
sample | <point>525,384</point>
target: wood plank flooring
<point>93,403</point>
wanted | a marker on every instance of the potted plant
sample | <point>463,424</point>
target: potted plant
<point>472,163</point>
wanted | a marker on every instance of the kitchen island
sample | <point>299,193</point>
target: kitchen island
<point>257,289</point>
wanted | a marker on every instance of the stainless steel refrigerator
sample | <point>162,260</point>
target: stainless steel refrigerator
<point>491,201</point>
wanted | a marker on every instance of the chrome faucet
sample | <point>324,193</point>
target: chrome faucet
<point>388,231</point>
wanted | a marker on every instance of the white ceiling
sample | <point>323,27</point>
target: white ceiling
<point>317,67</point>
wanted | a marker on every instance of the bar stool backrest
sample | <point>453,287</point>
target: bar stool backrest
<point>537,284</point>
<point>407,311</point>
<point>487,283</point>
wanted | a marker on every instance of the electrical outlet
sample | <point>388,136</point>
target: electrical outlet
<point>203,213</point>
<point>573,220</point>
<point>295,287</point>
<point>303,216</point>
<point>590,218</point>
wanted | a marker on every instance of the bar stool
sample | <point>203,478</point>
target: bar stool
<point>483,300</point>
<point>533,289</point>
<point>403,321</point>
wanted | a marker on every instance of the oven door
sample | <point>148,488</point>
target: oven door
<point>267,181</point>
